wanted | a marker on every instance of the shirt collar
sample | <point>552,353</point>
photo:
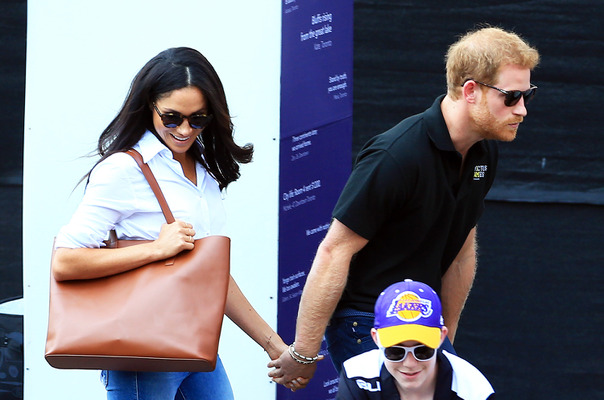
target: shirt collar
<point>149,146</point>
<point>444,377</point>
<point>439,133</point>
<point>389,390</point>
<point>437,127</point>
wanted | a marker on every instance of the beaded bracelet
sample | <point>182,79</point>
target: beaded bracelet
<point>299,357</point>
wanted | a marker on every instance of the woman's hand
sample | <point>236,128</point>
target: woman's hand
<point>174,238</point>
<point>275,347</point>
<point>289,373</point>
<point>85,263</point>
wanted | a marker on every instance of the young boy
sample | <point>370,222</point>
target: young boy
<point>408,329</point>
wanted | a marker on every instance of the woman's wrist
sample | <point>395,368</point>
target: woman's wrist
<point>274,346</point>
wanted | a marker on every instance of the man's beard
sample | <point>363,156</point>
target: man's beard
<point>488,127</point>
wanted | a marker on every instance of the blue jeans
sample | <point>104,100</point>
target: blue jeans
<point>128,385</point>
<point>349,334</point>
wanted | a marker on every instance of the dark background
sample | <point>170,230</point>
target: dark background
<point>537,298</point>
<point>13,16</point>
<point>533,320</point>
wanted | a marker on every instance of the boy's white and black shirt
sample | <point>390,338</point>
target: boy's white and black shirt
<point>365,377</point>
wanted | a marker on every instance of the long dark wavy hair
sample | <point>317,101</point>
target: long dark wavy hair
<point>170,70</point>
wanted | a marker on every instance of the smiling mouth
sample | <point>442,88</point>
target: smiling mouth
<point>410,374</point>
<point>180,139</point>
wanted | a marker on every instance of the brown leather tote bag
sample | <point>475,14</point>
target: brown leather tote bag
<point>164,316</point>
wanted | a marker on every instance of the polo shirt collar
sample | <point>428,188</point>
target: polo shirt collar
<point>437,128</point>
<point>439,133</point>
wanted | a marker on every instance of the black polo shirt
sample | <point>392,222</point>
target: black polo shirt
<point>406,195</point>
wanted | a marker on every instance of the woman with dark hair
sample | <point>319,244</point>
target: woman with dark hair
<point>176,116</point>
<point>170,70</point>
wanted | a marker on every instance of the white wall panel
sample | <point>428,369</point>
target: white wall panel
<point>81,58</point>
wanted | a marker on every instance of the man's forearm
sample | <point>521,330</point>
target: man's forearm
<point>322,291</point>
<point>457,282</point>
<point>324,285</point>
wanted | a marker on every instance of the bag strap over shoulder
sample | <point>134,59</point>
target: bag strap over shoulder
<point>153,183</point>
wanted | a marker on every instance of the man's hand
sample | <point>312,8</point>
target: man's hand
<point>290,373</point>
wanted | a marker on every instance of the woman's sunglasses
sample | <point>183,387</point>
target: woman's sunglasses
<point>172,120</point>
<point>398,353</point>
<point>512,97</point>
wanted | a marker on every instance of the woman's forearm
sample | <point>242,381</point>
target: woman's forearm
<point>240,311</point>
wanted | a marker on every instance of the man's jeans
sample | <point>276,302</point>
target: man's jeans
<point>349,334</point>
<point>127,385</point>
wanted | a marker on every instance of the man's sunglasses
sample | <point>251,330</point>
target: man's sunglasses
<point>172,120</point>
<point>512,97</point>
<point>398,353</point>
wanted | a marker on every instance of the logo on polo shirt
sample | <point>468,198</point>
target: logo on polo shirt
<point>479,172</point>
<point>409,307</point>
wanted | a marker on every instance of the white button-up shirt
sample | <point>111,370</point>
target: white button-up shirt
<point>119,197</point>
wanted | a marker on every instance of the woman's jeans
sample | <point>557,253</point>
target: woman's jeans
<point>349,334</point>
<point>127,385</point>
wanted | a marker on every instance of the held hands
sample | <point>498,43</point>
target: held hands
<point>174,238</point>
<point>275,347</point>
<point>292,369</point>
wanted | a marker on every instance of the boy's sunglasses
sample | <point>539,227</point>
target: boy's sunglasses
<point>398,353</point>
<point>172,120</point>
<point>512,97</point>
